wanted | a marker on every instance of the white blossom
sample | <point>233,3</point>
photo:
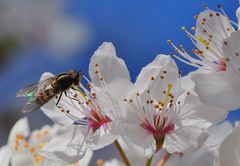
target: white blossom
<point>217,57</point>
<point>89,117</point>
<point>23,147</point>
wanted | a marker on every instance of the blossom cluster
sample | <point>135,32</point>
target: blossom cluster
<point>162,118</point>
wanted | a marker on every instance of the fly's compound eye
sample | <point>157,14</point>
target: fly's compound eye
<point>74,75</point>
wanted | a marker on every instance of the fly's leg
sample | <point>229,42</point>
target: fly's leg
<point>59,100</point>
<point>71,97</point>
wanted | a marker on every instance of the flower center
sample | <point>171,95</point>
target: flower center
<point>222,66</point>
<point>159,131</point>
<point>97,120</point>
<point>23,146</point>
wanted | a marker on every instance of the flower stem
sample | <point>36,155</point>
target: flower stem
<point>121,153</point>
<point>164,159</point>
<point>149,161</point>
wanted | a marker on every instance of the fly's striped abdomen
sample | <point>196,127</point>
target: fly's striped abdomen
<point>45,96</point>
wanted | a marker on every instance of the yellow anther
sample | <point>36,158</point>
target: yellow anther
<point>20,137</point>
<point>183,28</point>
<point>32,150</point>
<point>41,145</point>
<point>199,38</point>
<point>37,134</point>
<point>169,41</point>
<point>196,16</point>
<point>99,162</point>
<point>167,96</point>
<point>38,159</point>
<point>26,144</point>
<point>46,132</point>
<point>193,28</point>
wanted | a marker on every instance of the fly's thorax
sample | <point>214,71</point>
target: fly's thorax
<point>62,82</point>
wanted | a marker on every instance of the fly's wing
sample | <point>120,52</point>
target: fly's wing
<point>34,89</point>
<point>31,105</point>
<point>36,102</point>
<point>33,92</point>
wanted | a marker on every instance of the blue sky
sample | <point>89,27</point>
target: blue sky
<point>138,28</point>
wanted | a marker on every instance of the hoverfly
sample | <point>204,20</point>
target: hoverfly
<point>40,93</point>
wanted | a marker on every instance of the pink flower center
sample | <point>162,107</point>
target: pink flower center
<point>97,120</point>
<point>221,66</point>
<point>158,130</point>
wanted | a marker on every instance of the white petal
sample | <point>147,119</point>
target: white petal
<point>113,162</point>
<point>68,145</point>
<point>215,26</point>
<point>5,155</point>
<point>192,109</point>
<point>101,139</point>
<point>54,113</point>
<point>21,127</point>
<point>133,136</point>
<point>217,134</point>
<point>220,89</point>
<point>183,139</point>
<point>229,149</point>
<point>111,98</point>
<point>109,65</point>
<point>187,83</point>
<point>155,69</point>
<point>86,159</point>
<point>238,16</point>
<point>232,52</point>
<point>199,157</point>
<point>21,160</point>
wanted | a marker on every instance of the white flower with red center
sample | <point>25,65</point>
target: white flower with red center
<point>217,57</point>
<point>24,148</point>
<point>212,28</point>
<point>154,113</point>
<point>89,116</point>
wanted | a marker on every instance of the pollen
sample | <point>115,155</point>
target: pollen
<point>41,145</point>
<point>38,159</point>
<point>32,150</point>
<point>156,106</point>
<point>193,28</point>
<point>46,132</point>
<point>183,28</point>
<point>99,162</point>
<point>97,72</point>
<point>20,137</point>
